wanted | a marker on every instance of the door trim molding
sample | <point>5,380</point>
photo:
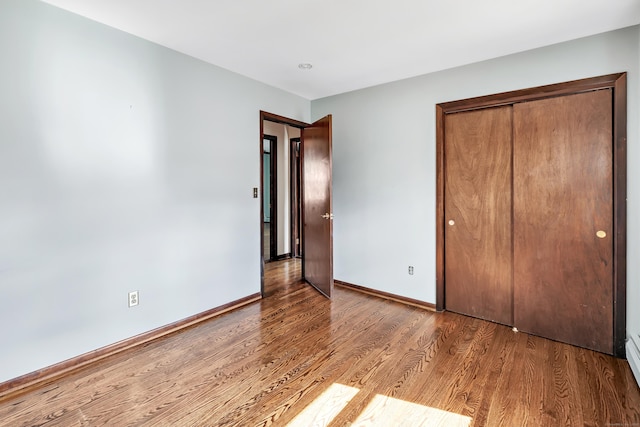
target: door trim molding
<point>617,83</point>
<point>295,200</point>
<point>386,295</point>
<point>270,117</point>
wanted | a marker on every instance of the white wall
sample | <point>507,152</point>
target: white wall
<point>282,178</point>
<point>285,177</point>
<point>123,166</point>
<point>384,159</point>
<point>284,133</point>
<point>266,178</point>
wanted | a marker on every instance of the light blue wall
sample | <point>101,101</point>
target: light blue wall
<point>123,166</point>
<point>384,167</point>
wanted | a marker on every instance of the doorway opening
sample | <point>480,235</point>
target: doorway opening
<point>279,202</point>
<point>280,211</point>
<point>269,195</point>
<point>303,197</point>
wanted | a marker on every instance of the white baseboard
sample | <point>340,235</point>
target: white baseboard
<point>633,356</point>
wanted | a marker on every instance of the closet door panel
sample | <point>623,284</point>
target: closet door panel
<point>563,219</point>
<point>478,252</point>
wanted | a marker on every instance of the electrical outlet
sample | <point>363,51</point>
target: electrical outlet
<point>411,270</point>
<point>133,298</point>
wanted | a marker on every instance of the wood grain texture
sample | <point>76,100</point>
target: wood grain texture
<point>263,364</point>
<point>620,214</point>
<point>615,82</point>
<point>563,272</point>
<point>440,214</point>
<point>532,94</point>
<point>317,201</point>
<point>478,200</point>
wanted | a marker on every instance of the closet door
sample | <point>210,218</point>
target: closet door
<point>477,200</point>
<point>563,219</point>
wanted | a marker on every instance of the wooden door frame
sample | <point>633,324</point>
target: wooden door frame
<point>617,83</point>
<point>273,194</point>
<point>270,117</point>
<point>295,201</point>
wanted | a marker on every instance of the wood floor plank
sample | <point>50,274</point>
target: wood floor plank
<point>263,364</point>
<point>498,361</point>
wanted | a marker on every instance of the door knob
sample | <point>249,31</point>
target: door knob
<point>327,216</point>
<point>601,234</point>
<point>451,222</point>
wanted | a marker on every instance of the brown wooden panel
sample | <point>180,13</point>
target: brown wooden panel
<point>535,93</point>
<point>615,82</point>
<point>620,215</point>
<point>478,249</point>
<point>317,252</point>
<point>295,200</point>
<point>440,276</point>
<point>562,198</point>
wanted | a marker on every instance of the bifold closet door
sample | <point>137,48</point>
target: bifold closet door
<point>478,251</point>
<point>563,219</point>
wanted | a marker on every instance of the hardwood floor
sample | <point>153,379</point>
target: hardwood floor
<point>266,250</point>
<point>296,358</point>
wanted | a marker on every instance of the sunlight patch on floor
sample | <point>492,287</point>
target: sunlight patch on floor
<point>382,411</point>
<point>387,411</point>
<point>325,407</point>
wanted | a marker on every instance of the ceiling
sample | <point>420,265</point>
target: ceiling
<point>353,44</point>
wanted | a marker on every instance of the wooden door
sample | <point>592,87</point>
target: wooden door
<point>317,252</point>
<point>563,223</point>
<point>478,252</point>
